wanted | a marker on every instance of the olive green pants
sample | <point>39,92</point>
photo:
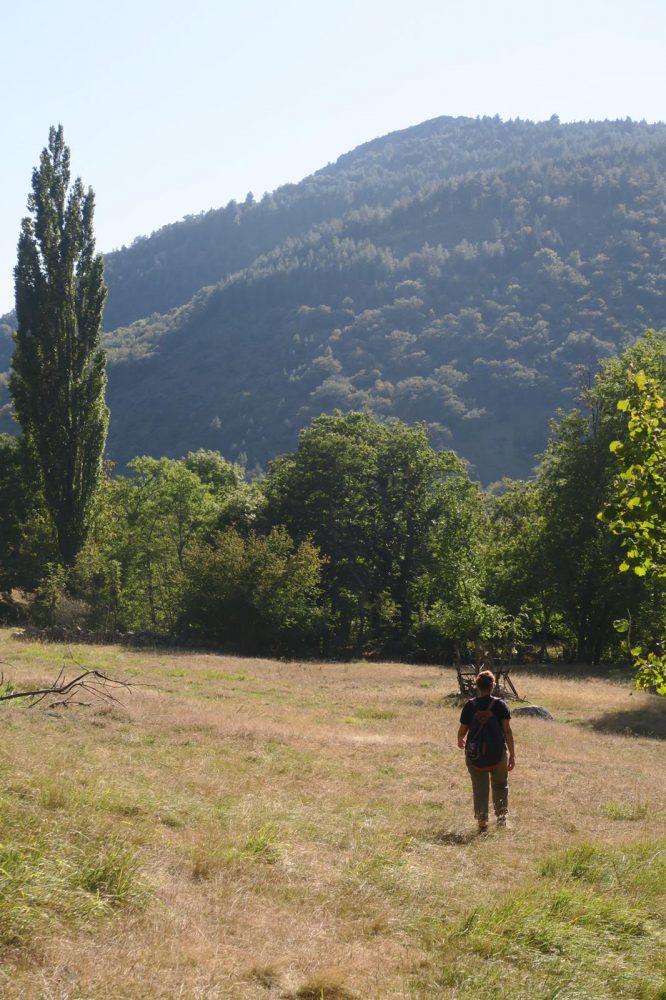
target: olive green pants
<point>496,779</point>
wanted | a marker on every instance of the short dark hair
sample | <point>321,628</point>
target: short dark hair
<point>485,681</point>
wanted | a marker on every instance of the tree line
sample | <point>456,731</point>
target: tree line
<point>363,541</point>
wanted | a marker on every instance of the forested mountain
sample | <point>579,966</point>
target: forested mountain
<point>167,269</point>
<point>465,273</point>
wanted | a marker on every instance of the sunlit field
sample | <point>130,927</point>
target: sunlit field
<point>247,828</point>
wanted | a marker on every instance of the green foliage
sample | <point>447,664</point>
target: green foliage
<point>26,541</point>
<point>516,525</point>
<point>639,503</point>
<point>451,617</point>
<point>455,569</point>
<point>214,471</point>
<point>575,481</point>
<point>99,579</point>
<point>637,509</point>
<point>58,368</point>
<point>38,546</point>
<point>366,540</point>
<point>50,594</point>
<point>156,516</point>
<point>155,529</point>
<point>578,556</point>
<point>369,496</point>
<point>518,578</point>
<point>443,630</point>
<point>261,593</point>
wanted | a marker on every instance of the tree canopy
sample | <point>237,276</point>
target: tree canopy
<point>636,510</point>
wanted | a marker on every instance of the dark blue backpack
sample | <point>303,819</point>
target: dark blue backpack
<point>485,741</point>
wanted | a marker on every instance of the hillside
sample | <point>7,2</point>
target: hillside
<point>472,306</point>
<point>466,273</point>
<point>254,828</point>
<point>165,270</point>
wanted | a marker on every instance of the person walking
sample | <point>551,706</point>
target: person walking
<point>485,734</point>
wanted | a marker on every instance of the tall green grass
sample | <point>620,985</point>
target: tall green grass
<point>51,873</point>
<point>261,846</point>
<point>593,927</point>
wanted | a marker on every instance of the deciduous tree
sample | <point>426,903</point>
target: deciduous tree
<point>575,481</point>
<point>637,510</point>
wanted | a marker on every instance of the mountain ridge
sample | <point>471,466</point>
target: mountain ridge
<point>515,275</point>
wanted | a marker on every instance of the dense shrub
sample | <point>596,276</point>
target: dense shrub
<point>260,593</point>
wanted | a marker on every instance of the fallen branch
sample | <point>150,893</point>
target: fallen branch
<point>95,682</point>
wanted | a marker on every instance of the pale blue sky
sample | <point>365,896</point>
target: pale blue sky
<point>171,107</point>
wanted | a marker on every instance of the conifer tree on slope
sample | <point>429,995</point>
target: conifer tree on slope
<point>58,373</point>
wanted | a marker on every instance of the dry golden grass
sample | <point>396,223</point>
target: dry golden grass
<point>300,830</point>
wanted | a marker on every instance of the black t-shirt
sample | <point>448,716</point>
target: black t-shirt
<point>481,703</point>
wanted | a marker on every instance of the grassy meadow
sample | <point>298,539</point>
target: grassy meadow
<point>256,829</point>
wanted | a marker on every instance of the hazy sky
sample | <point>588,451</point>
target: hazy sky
<point>171,108</point>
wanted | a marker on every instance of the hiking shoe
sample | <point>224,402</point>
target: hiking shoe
<point>502,821</point>
<point>483,825</point>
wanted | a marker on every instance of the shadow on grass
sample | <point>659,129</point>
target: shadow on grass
<point>649,721</point>
<point>451,837</point>
<point>614,672</point>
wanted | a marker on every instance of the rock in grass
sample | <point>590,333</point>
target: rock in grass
<point>534,711</point>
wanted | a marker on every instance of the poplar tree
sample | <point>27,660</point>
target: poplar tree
<point>58,376</point>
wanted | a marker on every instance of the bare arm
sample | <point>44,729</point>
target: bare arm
<point>462,733</point>
<point>508,736</point>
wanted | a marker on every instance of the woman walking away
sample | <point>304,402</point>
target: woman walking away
<point>485,722</point>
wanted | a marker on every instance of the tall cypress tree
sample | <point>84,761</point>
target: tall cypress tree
<point>58,373</point>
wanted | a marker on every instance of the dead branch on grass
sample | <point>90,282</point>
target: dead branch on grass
<point>94,682</point>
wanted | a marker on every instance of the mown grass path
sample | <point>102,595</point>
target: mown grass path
<point>246,828</point>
